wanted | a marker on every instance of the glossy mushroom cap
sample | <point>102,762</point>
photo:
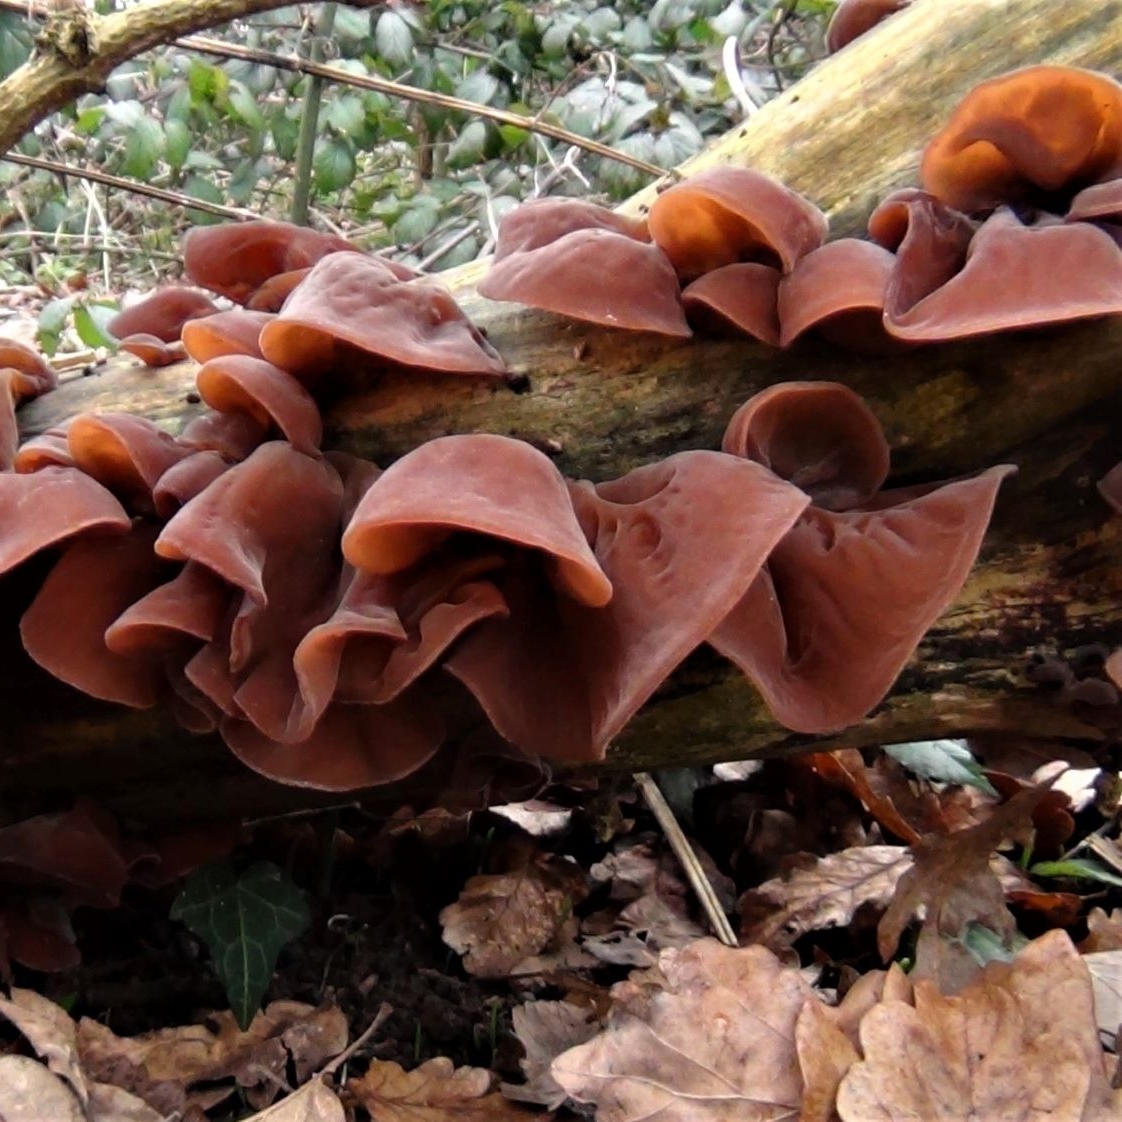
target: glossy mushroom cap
<point>852,18</point>
<point>538,222</point>
<point>236,259</point>
<point>596,275</point>
<point>845,597</point>
<point>162,314</point>
<point>1035,136</point>
<point>726,214</point>
<point>742,297</point>
<point>353,299</point>
<point>23,375</point>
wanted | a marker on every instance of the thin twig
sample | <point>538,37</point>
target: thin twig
<point>206,45</point>
<point>679,843</point>
<point>176,198</point>
<point>384,1010</point>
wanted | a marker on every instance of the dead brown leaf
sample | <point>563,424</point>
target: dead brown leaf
<point>503,918</point>
<point>50,1031</point>
<point>953,883</point>
<point>845,768</point>
<point>31,1093</point>
<point>1017,1044</point>
<point>545,1029</point>
<point>1104,932</point>
<point>825,1055</point>
<point>717,1044</point>
<point>431,1093</point>
<point>1106,980</point>
<point>314,1102</point>
<point>827,894</point>
<point>165,1067</point>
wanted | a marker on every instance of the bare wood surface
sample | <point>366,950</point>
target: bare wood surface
<point>605,401</point>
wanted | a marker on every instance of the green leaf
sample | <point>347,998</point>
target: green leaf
<point>393,38</point>
<point>91,322</point>
<point>479,86</point>
<point>346,115</point>
<point>1077,868</point>
<point>944,761</point>
<point>244,105</point>
<point>143,148</point>
<point>199,187</point>
<point>244,921</point>
<point>286,133</point>
<point>177,142</point>
<point>52,323</point>
<point>469,146</point>
<point>333,165</point>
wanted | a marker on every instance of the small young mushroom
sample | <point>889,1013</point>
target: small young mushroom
<point>728,214</point>
<point>743,296</point>
<point>853,18</point>
<point>23,375</point>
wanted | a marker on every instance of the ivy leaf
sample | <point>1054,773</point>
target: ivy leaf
<point>393,38</point>
<point>91,321</point>
<point>143,148</point>
<point>177,142</point>
<point>244,105</point>
<point>944,761</point>
<point>244,921</point>
<point>479,86</point>
<point>333,164</point>
<point>469,147</point>
<point>52,323</point>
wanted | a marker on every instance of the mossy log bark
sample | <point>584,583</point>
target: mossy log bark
<point>1050,578</point>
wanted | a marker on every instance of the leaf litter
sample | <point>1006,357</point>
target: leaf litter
<point>900,957</point>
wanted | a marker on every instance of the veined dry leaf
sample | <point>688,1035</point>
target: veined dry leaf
<point>953,882</point>
<point>545,1029</point>
<point>502,918</point>
<point>716,1045</point>
<point>827,894</point>
<point>432,1092</point>
<point>314,1102</point>
<point>50,1031</point>
<point>825,1055</point>
<point>1104,932</point>
<point>163,1067</point>
<point>1106,981</point>
<point>1018,1044</point>
<point>31,1093</point>
<point>845,768</point>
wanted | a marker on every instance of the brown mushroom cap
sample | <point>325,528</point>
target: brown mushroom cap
<point>269,395</point>
<point>595,275</point>
<point>162,314</point>
<point>225,333</point>
<point>357,300</point>
<point>681,540</point>
<point>726,214</point>
<point>820,436</point>
<point>847,594</point>
<point>63,630</point>
<point>852,18</point>
<point>482,484</point>
<point>152,351</point>
<point>539,222</point>
<point>743,296</point>
<point>1100,201</point>
<point>235,259</point>
<point>1027,137</point>
<point>66,502</point>
<point>1018,276</point>
<point>839,289</point>
<point>23,375</point>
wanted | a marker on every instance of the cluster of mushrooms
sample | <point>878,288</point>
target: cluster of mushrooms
<point>319,611</point>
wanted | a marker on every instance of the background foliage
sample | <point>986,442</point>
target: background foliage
<point>645,78</point>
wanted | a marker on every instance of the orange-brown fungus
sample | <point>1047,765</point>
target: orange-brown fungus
<point>1034,136</point>
<point>726,214</point>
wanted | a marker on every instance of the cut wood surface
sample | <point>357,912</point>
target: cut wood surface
<point>603,401</point>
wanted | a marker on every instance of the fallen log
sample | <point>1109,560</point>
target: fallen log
<point>602,402</point>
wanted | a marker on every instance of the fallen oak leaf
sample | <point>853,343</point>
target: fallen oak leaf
<point>1018,1044</point>
<point>953,881</point>
<point>500,919</point>
<point>314,1102</point>
<point>31,1093</point>
<point>717,1044</point>
<point>432,1092</point>
<point>825,894</point>
<point>50,1030</point>
<point>545,1029</point>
